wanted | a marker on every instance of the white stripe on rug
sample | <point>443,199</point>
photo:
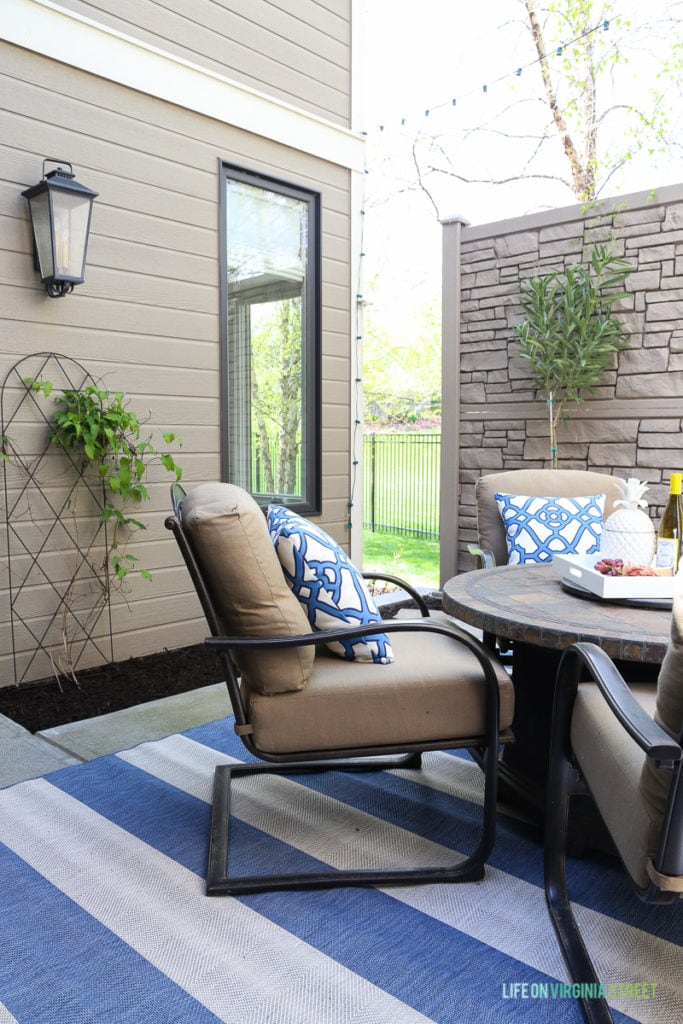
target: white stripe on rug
<point>505,912</point>
<point>228,957</point>
<point>5,1016</point>
<point>437,770</point>
<point>285,809</point>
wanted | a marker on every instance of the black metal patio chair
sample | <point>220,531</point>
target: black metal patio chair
<point>491,547</point>
<point>629,758</point>
<point>299,708</point>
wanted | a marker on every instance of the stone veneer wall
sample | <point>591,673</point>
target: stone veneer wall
<point>633,426</point>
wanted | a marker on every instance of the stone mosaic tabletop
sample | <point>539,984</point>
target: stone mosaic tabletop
<point>528,603</point>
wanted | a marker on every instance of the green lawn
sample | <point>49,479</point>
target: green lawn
<point>415,559</point>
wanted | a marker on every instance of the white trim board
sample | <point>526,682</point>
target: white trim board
<point>52,31</point>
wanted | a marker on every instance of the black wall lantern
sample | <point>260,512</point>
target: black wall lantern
<point>60,209</point>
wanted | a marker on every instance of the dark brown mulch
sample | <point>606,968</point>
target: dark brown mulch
<point>108,688</point>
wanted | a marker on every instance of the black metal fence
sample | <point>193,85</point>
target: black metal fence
<point>401,483</point>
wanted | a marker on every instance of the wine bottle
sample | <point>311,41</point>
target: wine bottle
<point>670,528</point>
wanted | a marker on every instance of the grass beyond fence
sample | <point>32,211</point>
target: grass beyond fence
<point>401,483</point>
<point>414,559</point>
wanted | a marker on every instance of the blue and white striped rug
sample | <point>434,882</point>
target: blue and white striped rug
<point>103,915</point>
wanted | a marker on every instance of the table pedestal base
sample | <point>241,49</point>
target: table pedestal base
<point>523,772</point>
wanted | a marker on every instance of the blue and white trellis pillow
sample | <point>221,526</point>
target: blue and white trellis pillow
<point>329,586</point>
<point>538,528</point>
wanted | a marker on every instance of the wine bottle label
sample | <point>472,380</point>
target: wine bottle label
<point>667,553</point>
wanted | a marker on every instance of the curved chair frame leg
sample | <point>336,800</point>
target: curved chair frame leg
<point>564,782</point>
<point>219,883</point>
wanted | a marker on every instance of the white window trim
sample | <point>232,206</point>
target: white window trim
<point>46,28</point>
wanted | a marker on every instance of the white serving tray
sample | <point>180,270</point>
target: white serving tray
<point>579,571</point>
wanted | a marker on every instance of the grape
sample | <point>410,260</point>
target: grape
<point>610,566</point>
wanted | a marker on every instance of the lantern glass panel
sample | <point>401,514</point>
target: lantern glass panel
<point>71,216</point>
<point>40,218</point>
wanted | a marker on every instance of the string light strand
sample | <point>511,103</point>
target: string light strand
<point>603,26</point>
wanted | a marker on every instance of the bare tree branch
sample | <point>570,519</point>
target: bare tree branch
<point>580,67</point>
<point>503,181</point>
<point>420,179</point>
<point>581,178</point>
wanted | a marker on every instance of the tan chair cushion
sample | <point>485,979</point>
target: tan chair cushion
<point>433,691</point>
<point>654,782</point>
<point>229,535</point>
<point>612,764</point>
<point>541,483</point>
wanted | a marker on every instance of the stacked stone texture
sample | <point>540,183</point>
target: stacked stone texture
<point>633,424</point>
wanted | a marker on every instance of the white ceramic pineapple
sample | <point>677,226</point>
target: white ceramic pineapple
<point>629,533</point>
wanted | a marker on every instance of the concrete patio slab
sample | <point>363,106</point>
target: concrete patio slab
<point>24,756</point>
<point>119,730</point>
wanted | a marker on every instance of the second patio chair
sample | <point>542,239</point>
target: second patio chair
<point>627,753</point>
<point>491,548</point>
<point>300,708</point>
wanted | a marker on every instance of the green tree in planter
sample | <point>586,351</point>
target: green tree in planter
<point>570,334</point>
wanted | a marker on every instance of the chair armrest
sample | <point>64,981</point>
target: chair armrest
<point>487,559</point>
<point>402,585</point>
<point>650,737</point>
<point>490,665</point>
<point>429,625</point>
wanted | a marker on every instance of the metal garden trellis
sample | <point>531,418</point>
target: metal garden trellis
<point>50,550</point>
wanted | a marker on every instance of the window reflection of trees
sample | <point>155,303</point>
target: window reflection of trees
<point>276,396</point>
<point>272,358</point>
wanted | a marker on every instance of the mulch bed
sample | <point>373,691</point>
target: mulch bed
<point>108,688</point>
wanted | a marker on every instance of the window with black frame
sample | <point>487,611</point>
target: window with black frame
<point>271,338</point>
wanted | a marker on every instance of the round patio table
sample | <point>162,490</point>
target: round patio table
<point>529,606</point>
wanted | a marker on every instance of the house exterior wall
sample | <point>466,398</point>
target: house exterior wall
<point>298,52</point>
<point>633,426</point>
<point>147,319</point>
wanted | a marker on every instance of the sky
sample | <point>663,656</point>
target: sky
<point>420,57</point>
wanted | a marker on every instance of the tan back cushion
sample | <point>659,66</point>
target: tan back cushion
<point>536,483</point>
<point>229,536</point>
<point>654,783</point>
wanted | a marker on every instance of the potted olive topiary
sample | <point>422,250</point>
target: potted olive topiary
<point>570,334</point>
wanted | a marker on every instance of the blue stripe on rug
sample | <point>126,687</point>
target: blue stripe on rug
<point>173,822</point>
<point>57,963</point>
<point>393,945</point>
<point>439,971</point>
<point>597,881</point>
<point>144,806</point>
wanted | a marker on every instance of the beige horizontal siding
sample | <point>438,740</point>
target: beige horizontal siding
<point>299,53</point>
<point>147,319</point>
